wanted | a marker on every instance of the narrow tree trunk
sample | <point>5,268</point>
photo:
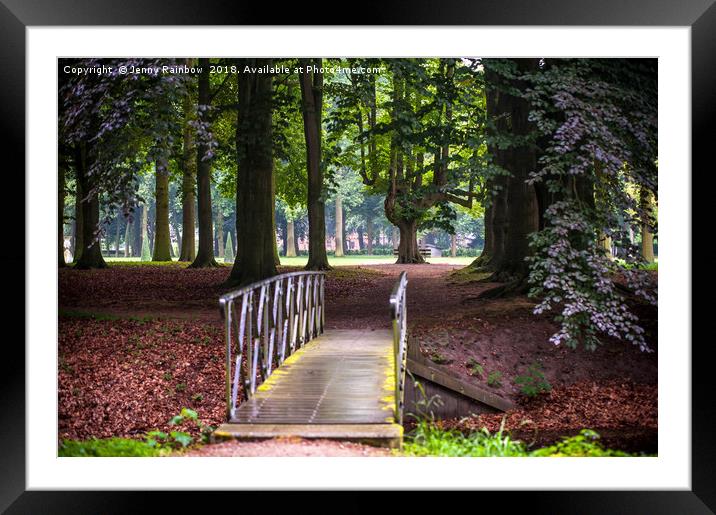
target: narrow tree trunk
<point>137,233</point>
<point>92,253</point>
<point>369,233</point>
<point>162,241</point>
<point>290,239</point>
<point>145,228</point>
<point>339,226</point>
<point>189,162</point>
<point>118,234</point>
<point>127,236</point>
<point>312,103</point>
<point>606,243</point>
<point>361,243</point>
<point>647,236</point>
<point>205,255</point>
<point>276,257</point>
<point>254,190</point>
<point>453,245</point>
<point>61,216</point>
<point>79,226</point>
<point>220,233</point>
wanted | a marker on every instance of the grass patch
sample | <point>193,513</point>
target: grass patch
<point>585,444</point>
<point>364,259</point>
<point>115,447</point>
<point>429,440</point>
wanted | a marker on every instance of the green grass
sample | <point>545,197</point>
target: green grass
<point>650,266</point>
<point>428,440</point>
<point>97,448</point>
<point>352,260</point>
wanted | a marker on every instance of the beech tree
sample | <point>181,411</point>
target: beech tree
<point>429,129</point>
<point>113,122</point>
<point>255,258</point>
<point>188,186</point>
<point>312,104</point>
<point>204,155</point>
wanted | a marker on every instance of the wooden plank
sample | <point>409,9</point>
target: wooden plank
<point>419,367</point>
<point>341,377</point>
<point>381,435</point>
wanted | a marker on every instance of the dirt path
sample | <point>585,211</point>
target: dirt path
<point>288,447</point>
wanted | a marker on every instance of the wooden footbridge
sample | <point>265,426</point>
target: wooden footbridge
<point>288,377</point>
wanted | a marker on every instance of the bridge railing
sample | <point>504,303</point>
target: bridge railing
<point>398,312</point>
<point>265,323</point>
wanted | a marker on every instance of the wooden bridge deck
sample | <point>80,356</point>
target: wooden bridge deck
<point>340,385</point>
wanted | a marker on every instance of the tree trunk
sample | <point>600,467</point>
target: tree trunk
<point>408,250</point>
<point>276,257</point>
<point>453,245</point>
<point>339,226</point>
<point>189,161</point>
<point>137,234</point>
<point>205,255</point>
<point>61,216</point>
<point>162,241</point>
<point>79,226</point>
<point>647,237</point>
<point>606,243</point>
<point>127,236</point>
<point>312,103</point>
<point>395,237</point>
<point>361,243</point>
<point>369,233</point>
<point>220,233</point>
<point>515,210</point>
<point>118,234</point>
<point>91,253</point>
<point>290,239</point>
<point>254,180</point>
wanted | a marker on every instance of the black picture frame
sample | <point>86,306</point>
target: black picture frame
<point>16,15</point>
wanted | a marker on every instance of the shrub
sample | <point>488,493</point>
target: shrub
<point>475,367</point>
<point>494,379</point>
<point>534,382</point>
<point>438,358</point>
<point>585,444</point>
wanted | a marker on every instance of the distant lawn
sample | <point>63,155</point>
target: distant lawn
<point>353,260</point>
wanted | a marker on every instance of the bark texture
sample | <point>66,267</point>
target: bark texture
<point>339,226</point>
<point>91,253</point>
<point>162,241</point>
<point>312,104</point>
<point>254,182</point>
<point>290,239</point>
<point>205,254</point>
<point>188,188</point>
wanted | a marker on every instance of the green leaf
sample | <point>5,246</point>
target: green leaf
<point>183,438</point>
<point>189,413</point>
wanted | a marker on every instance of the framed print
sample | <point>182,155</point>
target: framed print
<point>142,361</point>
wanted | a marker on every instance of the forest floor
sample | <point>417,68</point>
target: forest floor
<point>139,342</point>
